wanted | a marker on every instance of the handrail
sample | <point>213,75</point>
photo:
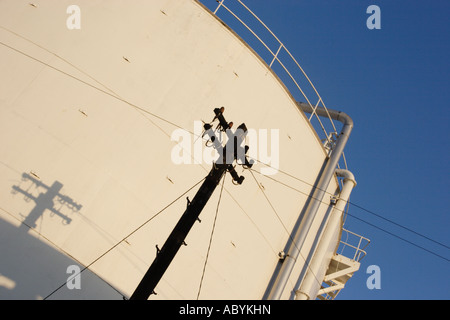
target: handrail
<point>275,57</point>
<point>359,248</point>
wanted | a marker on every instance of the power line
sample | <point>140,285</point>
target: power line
<point>94,87</point>
<point>397,224</point>
<point>288,233</point>
<point>357,206</point>
<point>210,238</point>
<point>126,237</point>
<point>371,224</point>
<point>398,237</point>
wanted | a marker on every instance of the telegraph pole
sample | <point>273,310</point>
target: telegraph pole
<point>176,239</point>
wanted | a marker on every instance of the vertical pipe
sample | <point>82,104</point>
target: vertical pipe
<point>319,191</point>
<point>308,288</point>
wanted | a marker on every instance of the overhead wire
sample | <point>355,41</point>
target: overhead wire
<point>398,237</point>
<point>210,238</point>
<point>371,224</point>
<point>282,223</point>
<point>358,206</point>
<point>271,205</point>
<point>95,87</point>
<point>398,225</point>
<point>127,236</point>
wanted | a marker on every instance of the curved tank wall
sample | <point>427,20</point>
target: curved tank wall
<point>86,155</point>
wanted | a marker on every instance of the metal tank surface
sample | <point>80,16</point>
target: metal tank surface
<point>105,108</point>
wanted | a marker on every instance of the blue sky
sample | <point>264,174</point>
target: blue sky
<point>394,83</point>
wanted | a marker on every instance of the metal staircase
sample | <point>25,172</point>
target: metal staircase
<point>342,267</point>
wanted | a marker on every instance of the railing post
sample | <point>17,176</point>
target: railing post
<point>220,4</point>
<point>276,55</point>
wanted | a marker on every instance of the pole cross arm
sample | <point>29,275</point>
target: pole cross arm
<point>233,149</point>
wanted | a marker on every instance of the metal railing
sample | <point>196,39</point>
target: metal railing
<point>355,242</point>
<point>329,131</point>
